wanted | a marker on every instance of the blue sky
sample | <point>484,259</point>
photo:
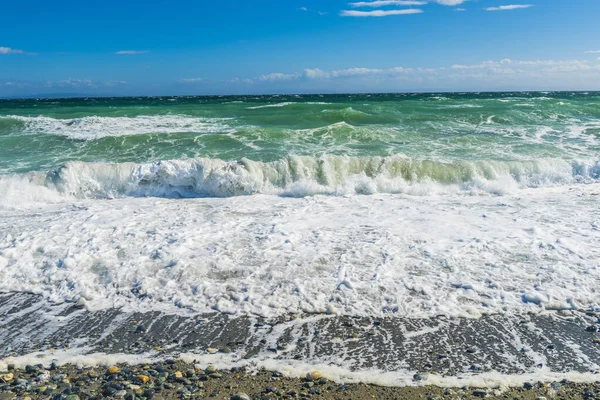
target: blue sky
<point>159,47</point>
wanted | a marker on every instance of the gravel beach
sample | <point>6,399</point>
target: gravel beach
<point>178,380</point>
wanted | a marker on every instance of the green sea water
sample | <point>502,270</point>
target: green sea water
<point>449,137</point>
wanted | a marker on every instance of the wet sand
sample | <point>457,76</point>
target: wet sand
<point>437,351</point>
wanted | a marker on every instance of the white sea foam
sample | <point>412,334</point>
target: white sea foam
<point>94,127</point>
<point>295,176</point>
<point>298,369</point>
<point>355,255</point>
<point>287,103</point>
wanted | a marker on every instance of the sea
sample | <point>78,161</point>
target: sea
<point>410,207</point>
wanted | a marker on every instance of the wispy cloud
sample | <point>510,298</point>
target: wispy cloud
<point>8,50</point>
<point>501,73</point>
<point>191,80</point>
<point>71,82</point>
<point>593,52</point>
<point>450,2</point>
<point>509,7</point>
<point>278,76</point>
<point>384,3</point>
<point>303,9</point>
<point>130,52</point>
<point>379,13</point>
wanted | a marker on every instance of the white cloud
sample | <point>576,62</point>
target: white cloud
<point>238,80</point>
<point>316,73</point>
<point>504,74</point>
<point>593,52</point>
<point>130,52</point>
<point>383,3</point>
<point>115,83</point>
<point>71,82</point>
<point>303,9</point>
<point>8,50</point>
<point>278,76</point>
<point>379,13</point>
<point>460,9</point>
<point>548,65</point>
<point>450,2</point>
<point>191,80</point>
<point>509,7</point>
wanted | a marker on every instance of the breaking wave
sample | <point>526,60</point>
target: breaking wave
<point>300,176</point>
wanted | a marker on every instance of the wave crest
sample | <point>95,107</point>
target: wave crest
<point>305,176</point>
<point>95,127</point>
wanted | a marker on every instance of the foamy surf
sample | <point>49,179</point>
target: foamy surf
<point>94,127</point>
<point>380,255</point>
<point>297,176</point>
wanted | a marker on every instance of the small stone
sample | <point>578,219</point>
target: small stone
<point>143,378</point>
<point>32,368</point>
<point>6,377</point>
<point>212,350</point>
<point>148,393</point>
<point>216,375</point>
<point>291,392</point>
<point>479,393</point>
<point>112,370</point>
<point>120,394</point>
<point>178,374</point>
<point>225,350</point>
<point>210,369</point>
<point>540,398</point>
<point>308,385</point>
<point>314,375</point>
<point>11,367</point>
<point>240,396</point>
<point>109,391</point>
<point>592,328</point>
<point>528,385</point>
<point>270,389</point>
<point>58,377</point>
<point>72,397</point>
<point>597,340</point>
<point>190,373</point>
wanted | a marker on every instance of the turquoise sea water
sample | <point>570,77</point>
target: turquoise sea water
<point>535,138</point>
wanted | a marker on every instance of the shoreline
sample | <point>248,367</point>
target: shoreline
<point>490,352</point>
<point>178,380</point>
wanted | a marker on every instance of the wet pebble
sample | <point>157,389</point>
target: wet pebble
<point>240,396</point>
